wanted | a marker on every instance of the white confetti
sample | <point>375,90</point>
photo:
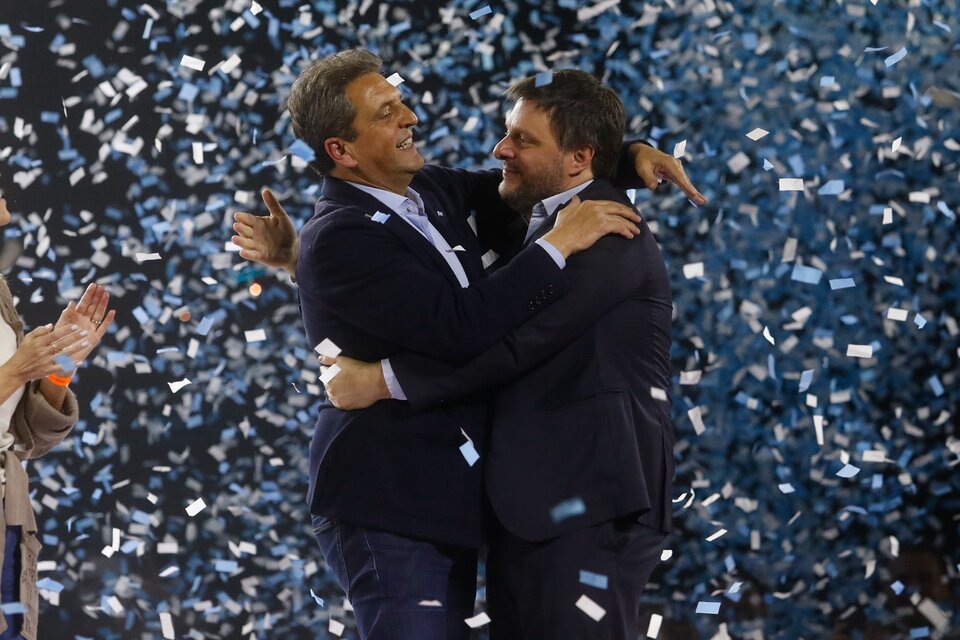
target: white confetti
<point>330,373</point>
<point>679,149</point>
<point>478,620</point>
<point>658,394</point>
<point>693,270</point>
<point>860,350</point>
<point>791,184</point>
<point>336,627</point>
<point>196,507</point>
<point>717,534</point>
<point>192,63</point>
<point>176,386</point>
<point>896,145</point>
<point>166,625</point>
<point>468,450</point>
<point>591,608</point>
<point>255,335</point>
<point>653,629</point>
<point>900,315</point>
<point>395,80</point>
<point>327,348</point>
<point>140,258</point>
<point>757,133</point>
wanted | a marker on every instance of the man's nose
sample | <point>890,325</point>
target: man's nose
<point>503,150</point>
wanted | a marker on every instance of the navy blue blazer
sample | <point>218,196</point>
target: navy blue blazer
<point>581,431</point>
<point>376,287</point>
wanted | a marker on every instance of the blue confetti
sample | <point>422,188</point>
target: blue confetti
<point>831,188</point>
<point>593,579</point>
<point>302,150</point>
<point>483,11</point>
<point>895,58</point>
<point>543,78</point>
<point>803,273</point>
<point>842,283</point>
<point>568,509</point>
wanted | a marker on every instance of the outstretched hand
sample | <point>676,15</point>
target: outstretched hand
<point>653,166</point>
<point>270,240</point>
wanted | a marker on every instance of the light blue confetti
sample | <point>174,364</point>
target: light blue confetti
<point>205,325</point>
<point>568,509</point>
<point>831,188</point>
<point>49,584</point>
<point>842,283</point>
<point>12,608</point>
<point>895,58</point>
<point>767,165</point>
<point>920,321</point>
<point>919,632</point>
<point>380,217</point>
<point>593,579</point>
<point>805,379</point>
<point>709,608</point>
<point>808,275</point>
<point>65,363</point>
<point>225,566</point>
<point>481,12</point>
<point>317,598</point>
<point>543,78</point>
<point>827,81</point>
<point>936,385</point>
<point>897,587</point>
<point>469,453</point>
<point>302,150</point>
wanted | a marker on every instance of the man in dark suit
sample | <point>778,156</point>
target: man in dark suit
<point>389,264</point>
<point>580,463</point>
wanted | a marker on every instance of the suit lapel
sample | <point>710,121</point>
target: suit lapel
<point>340,191</point>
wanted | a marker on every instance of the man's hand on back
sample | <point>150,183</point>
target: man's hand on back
<point>581,223</point>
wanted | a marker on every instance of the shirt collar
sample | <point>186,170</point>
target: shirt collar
<point>554,202</point>
<point>392,200</point>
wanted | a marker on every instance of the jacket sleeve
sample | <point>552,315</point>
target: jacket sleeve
<point>599,277</point>
<point>45,424</point>
<point>366,275</point>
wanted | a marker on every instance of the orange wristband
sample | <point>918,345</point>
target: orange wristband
<point>60,381</point>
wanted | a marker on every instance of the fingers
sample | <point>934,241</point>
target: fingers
<point>648,176</point>
<point>244,243</point>
<point>85,300</point>
<point>673,171</point>
<point>327,360</point>
<point>101,309</point>
<point>273,205</point>
<point>105,324</point>
<point>245,219</point>
<point>245,229</point>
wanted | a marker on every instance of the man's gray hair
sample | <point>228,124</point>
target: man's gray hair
<point>318,103</point>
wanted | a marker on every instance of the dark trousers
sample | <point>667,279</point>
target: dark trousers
<point>533,587</point>
<point>401,588</point>
<point>10,583</point>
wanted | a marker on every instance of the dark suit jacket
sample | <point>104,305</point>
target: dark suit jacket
<point>578,435</point>
<point>376,289</point>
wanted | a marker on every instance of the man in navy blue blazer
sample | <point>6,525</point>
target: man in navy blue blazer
<point>389,264</point>
<point>579,462</point>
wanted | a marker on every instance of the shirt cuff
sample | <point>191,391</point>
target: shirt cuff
<point>552,252</point>
<point>393,385</point>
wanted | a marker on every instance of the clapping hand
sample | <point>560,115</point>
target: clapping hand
<point>89,315</point>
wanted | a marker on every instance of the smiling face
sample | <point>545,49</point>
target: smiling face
<point>382,154</point>
<point>534,165</point>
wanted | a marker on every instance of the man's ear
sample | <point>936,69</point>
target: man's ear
<point>336,148</point>
<point>580,160</point>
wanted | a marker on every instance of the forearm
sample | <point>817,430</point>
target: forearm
<point>53,393</point>
<point>9,384</point>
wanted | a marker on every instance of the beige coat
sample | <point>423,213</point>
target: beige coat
<point>37,428</point>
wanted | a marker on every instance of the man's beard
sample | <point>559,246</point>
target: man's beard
<point>533,188</point>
